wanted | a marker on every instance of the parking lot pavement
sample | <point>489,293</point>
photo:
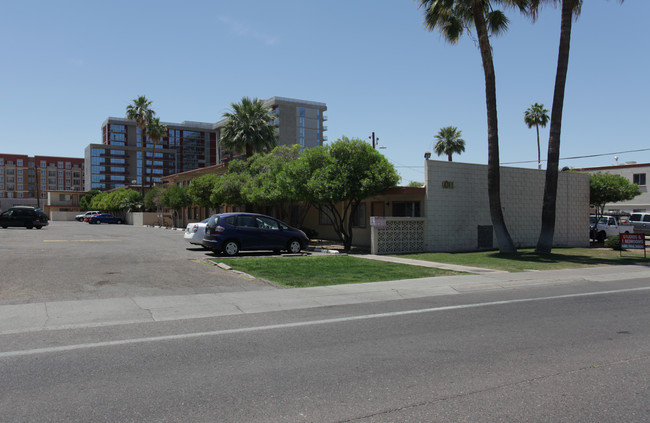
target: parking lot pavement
<point>74,260</point>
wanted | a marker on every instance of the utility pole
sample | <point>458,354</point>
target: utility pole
<point>373,139</point>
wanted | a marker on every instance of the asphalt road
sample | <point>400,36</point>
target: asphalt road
<point>74,260</point>
<point>566,353</point>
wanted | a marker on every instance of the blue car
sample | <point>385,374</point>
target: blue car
<point>104,218</point>
<point>231,233</point>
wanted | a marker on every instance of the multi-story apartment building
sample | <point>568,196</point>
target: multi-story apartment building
<point>118,160</point>
<point>297,121</point>
<point>25,180</point>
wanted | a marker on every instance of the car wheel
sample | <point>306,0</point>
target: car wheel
<point>29,225</point>
<point>4,226</point>
<point>601,237</point>
<point>231,248</point>
<point>39,227</point>
<point>294,246</point>
<point>119,221</point>
<point>99,222</point>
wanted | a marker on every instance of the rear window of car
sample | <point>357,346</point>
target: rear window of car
<point>646,218</point>
<point>635,218</point>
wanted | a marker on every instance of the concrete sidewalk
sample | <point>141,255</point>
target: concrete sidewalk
<point>116,311</point>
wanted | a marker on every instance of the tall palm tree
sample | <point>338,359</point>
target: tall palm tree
<point>140,111</point>
<point>248,128</point>
<point>570,9</point>
<point>449,141</point>
<point>536,115</point>
<point>156,131</point>
<point>452,18</point>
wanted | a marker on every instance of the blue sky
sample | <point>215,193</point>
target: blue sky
<point>68,65</point>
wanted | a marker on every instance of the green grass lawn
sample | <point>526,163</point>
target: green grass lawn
<point>527,259</point>
<point>301,272</point>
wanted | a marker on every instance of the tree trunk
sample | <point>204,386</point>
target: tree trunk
<point>547,232</point>
<point>539,152</point>
<point>494,176</point>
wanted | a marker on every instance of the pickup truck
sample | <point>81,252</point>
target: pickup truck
<point>609,226</point>
<point>641,222</point>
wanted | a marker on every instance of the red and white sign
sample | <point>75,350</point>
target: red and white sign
<point>633,241</point>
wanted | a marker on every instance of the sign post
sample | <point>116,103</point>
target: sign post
<point>633,242</point>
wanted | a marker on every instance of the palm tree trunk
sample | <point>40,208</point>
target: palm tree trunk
<point>539,152</point>
<point>494,175</point>
<point>547,232</point>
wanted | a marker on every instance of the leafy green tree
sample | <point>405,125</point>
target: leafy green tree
<point>415,184</point>
<point>229,188</point>
<point>342,175</point>
<point>536,115</point>
<point>175,197</point>
<point>265,184</point>
<point>140,111</point>
<point>156,131</point>
<point>607,188</point>
<point>87,199</point>
<point>201,188</point>
<point>449,142</point>
<point>118,201</point>
<point>248,128</point>
<point>152,198</point>
<point>570,9</point>
<point>452,18</point>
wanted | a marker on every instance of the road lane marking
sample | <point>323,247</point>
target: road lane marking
<point>65,348</point>
<point>81,240</point>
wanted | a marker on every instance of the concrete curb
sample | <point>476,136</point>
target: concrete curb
<point>117,311</point>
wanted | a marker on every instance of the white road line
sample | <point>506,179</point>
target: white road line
<point>47,350</point>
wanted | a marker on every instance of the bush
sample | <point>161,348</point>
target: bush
<point>613,242</point>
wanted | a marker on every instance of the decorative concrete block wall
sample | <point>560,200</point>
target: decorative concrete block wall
<point>458,209</point>
<point>399,235</point>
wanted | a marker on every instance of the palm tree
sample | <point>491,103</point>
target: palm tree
<point>452,18</point>
<point>155,131</point>
<point>536,115</point>
<point>570,9</point>
<point>248,129</point>
<point>140,111</point>
<point>449,142</point>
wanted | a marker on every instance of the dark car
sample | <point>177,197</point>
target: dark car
<point>233,232</point>
<point>24,216</point>
<point>104,218</point>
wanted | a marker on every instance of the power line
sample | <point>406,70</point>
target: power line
<point>584,157</point>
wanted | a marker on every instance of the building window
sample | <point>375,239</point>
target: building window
<point>60,165</point>
<point>19,162</point>
<point>43,163</point>
<point>2,161</point>
<point>406,208</point>
<point>359,217</point>
<point>639,179</point>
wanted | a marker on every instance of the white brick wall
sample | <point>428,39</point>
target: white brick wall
<point>457,203</point>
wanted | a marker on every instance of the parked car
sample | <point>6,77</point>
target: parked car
<point>233,232</point>
<point>29,217</point>
<point>194,232</point>
<point>81,217</point>
<point>641,222</point>
<point>104,218</point>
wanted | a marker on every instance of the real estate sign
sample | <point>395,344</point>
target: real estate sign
<point>633,241</point>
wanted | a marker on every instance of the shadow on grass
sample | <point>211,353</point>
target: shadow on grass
<point>604,258</point>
